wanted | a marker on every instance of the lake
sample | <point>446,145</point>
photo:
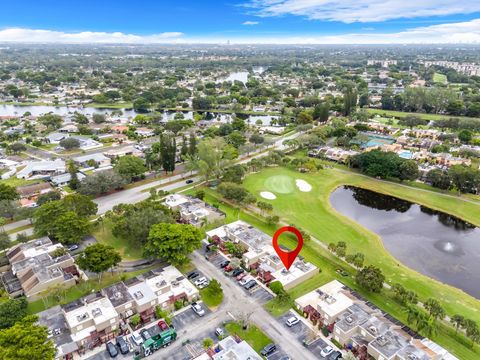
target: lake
<point>433,243</point>
<point>36,110</point>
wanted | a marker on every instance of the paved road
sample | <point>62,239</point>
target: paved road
<point>236,300</point>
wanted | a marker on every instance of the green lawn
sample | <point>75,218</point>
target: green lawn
<point>15,182</point>
<point>440,78</point>
<point>128,251</point>
<point>401,114</point>
<point>253,335</point>
<point>212,300</point>
<point>119,105</point>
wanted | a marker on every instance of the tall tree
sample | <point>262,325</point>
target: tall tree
<point>26,341</point>
<point>11,311</point>
<point>130,167</point>
<point>210,160</point>
<point>168,151</point>
<point>98,258</point>
<point>8,192</point>
<point>173,242</point>
<point>81,205</point>
<point>371,278</point>
<point>192,144</point>
<point>72,170</point>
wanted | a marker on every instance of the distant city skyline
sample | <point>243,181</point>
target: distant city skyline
<point>242,21</point>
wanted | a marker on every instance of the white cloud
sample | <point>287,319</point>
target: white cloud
<point>250,23</point>
<point>464,32</point>
<point>350,11</point>
<point>91,37</point>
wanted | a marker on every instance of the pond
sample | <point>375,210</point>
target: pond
<point>433,243</point>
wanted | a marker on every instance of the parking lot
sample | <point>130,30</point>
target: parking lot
<point>258,293</point>
<point>301,331</point>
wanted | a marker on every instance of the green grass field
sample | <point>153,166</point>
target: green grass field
<point>401,114</point>
<point>253,335</point>
<point>440,78</point>
<point>313,212</point>
<point>128,251</point>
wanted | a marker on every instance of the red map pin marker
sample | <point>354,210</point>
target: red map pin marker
<point>287,257</point>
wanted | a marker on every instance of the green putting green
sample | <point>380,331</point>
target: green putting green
<point>281,184</point>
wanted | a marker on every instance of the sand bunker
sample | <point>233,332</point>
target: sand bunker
<point>268,195</point>
<point>303,186</point>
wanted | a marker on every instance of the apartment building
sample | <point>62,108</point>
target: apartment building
<point>37,266</point>
<point>362,327</point>
<point>91,320</point>
<point>260,255</point>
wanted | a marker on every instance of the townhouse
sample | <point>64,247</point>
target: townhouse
<point>260,255</point>
<point>37,266</point>
<point>97,318</point>
<point>363,328</point>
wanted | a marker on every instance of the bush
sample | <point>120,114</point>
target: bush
<point>135,320</point>
<point>178,305</point>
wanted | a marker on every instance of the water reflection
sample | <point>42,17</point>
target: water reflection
<point>432,242</point>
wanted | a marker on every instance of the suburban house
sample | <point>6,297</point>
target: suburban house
<point>144,132</point>
<point>36,267</point>
<point>64,179</point>
<point>42,169</point>
<point>30,193</point>
<point>193,210</point>
<point>92,160</point>
<point>123,151</point>
<point>260,255</point>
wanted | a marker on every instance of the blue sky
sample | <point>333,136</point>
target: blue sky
<point>241,21</point>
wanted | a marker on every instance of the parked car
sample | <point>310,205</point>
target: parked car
<point>335,355</point>
<point>224,263</point>
<point>204,284</point>
<point>122,345</point>
<point>269,349</point>
<point>326,351</point>
<point>189,181</point>
<point>136,338</point>
<point>72,247</point>
<point>241,276</point>
<point>145,334</point>
<point>112,350</point>
<point>193,275</point>
<point>219,332</point>
<point>245,280</point>
<point>227,268</point>
<point>292,321</point>
<point>250,284</point>
<point>163,325</point>
<point>202,280</point>
<point>198,309</point>
<point>237,272</point>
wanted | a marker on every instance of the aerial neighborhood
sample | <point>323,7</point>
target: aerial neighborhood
<point>145,191</point>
